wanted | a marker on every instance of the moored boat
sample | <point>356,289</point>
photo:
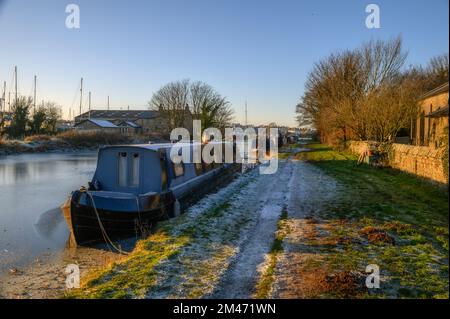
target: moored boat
<point>135,186</point>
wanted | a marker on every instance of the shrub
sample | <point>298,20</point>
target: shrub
<point>80,139</point>
<point>37,138</point>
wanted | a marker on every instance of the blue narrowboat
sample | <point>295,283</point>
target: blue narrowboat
<point>133,187</point>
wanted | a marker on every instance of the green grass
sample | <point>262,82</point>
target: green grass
<point>134,275</point>
<point>267,277</point>
<point>412,211</point>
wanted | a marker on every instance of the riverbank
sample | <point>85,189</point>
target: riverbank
<point>309,231</point>
<point>45,278</point>
<point>69,142</point>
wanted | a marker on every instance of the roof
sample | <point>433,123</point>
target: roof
<point>440,89</point>
<point>158,146</point>
<point>119,114</point>
<point>129,123</point>
<point>100,123</point>
<point>443,111</point>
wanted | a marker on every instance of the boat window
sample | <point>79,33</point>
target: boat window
<point>162,161</point>
<point>122,163</point>
<point>178,169</point>
<point>135,170</point>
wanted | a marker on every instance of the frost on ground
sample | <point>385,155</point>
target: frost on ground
<point>311,192</point>
<point>228,245</point>
<point>241,278</point>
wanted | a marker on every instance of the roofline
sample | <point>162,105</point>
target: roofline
<point>440,112</point>
<point>440,89</point>
<point>158,146</point>
<point>93,122</point>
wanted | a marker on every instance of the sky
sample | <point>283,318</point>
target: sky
<point>248,50</point>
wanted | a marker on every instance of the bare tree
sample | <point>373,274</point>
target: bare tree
<point>172,102</point>
<point>177,99</point>
<point>361,94</point>
<point>208,106</point>
<point>437,71</point>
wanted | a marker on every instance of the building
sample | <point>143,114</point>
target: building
<point>64,125</point>
<point>135,121</point>
<point>144,121</point>
<point>96,125</point>
<point>129,128</point>
<point>432,119</point>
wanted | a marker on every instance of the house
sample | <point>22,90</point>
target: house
<point>129,128</point>
<point>432,119</point>
<point>132,121</point>
<point>95,125</point>
<point>135,121</point>
<point>64,125</point>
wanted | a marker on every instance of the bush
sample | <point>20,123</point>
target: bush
<point>83,139</point>
<point>37,138</point>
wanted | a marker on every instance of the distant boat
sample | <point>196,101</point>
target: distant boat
<point>133,187</point>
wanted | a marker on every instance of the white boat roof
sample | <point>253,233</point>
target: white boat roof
<point>158,146</point>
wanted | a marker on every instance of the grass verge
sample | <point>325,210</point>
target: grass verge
<point>383,217</point>
<point>267,277</point>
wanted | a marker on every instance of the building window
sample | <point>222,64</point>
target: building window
<point>135,170</point>
<point>123,169</point>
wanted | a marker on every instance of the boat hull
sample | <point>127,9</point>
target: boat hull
<point>90,224</point>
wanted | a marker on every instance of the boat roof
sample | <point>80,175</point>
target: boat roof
<point>159,146</point>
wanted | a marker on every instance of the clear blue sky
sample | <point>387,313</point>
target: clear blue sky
<point>259,51</point>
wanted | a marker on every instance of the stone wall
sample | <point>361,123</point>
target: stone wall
<point>418,160</point>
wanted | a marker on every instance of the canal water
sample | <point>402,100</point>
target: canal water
<point>32,188</point>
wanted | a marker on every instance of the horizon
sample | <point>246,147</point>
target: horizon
<point>252,52</point>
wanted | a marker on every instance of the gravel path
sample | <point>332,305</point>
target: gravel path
<point>240,279</point>
<point>310,192</point>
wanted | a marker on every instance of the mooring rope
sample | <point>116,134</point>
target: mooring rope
<point>102,228</point>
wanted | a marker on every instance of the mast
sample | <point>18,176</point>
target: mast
<point>89,104</point>
<point>15,80</point>
<point>4,96</point>
<point>34,100</point>
<point>81,96</point>
<point>246,114</point>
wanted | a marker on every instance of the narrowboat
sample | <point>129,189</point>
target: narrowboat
<point>135,186</point>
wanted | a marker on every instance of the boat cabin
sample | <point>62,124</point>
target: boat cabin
<point>140,169</point>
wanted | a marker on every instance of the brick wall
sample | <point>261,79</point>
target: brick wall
<point>419,160</point>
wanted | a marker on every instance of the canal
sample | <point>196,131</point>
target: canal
<point>32,188</point>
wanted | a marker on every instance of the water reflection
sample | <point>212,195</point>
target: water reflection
<point>32,187</point>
